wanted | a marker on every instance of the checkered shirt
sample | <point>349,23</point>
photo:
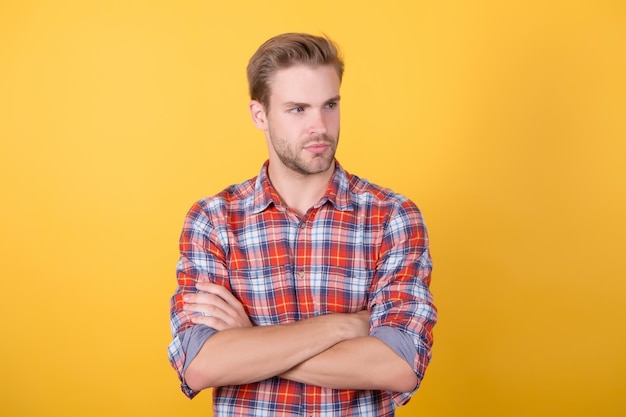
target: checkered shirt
<point>361,246</point>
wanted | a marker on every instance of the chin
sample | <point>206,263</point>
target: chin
<point>322,166</point>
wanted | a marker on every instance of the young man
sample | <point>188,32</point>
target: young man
<point>305,290</point>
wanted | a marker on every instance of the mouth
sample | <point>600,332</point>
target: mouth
<point>319,145</point>
<point>317,148</point>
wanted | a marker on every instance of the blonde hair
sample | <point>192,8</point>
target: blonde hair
<point>284,51</point>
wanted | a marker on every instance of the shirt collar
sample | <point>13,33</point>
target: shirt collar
<point>337,193</point>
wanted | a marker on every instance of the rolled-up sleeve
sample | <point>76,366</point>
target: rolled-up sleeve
<point>201,259</point>
<point>184,348</point>
<point>402,311</point>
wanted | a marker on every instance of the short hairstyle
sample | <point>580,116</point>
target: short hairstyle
<point>284,51</point>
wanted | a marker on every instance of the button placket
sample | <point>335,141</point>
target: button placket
<point>300,269</point>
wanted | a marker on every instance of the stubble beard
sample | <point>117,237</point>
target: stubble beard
<point>292,158</point>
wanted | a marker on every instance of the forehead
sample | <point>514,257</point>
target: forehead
<point>304,84</point>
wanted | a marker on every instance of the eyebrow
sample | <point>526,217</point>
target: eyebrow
<point>290,104</point>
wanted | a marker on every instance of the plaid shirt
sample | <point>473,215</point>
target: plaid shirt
<point>361,246</point>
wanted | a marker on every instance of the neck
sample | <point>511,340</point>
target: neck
<point>299,191</point>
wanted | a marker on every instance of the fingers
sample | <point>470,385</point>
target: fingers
<point>211,321</point>
<point>221,292</point>
<point>216,306</point>
<point>209,305</point>
<point>206,304</point>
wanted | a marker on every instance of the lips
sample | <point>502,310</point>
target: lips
<point>317,147</point>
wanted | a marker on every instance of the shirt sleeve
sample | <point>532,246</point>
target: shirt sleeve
<point>400,342</point>
<point>401,304</point>
<point>201,260</point>
<point>189,342</point>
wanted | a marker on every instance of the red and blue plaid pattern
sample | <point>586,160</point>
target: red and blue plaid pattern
<point>361,246</point>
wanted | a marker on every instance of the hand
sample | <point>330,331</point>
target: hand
<point>218,307</point>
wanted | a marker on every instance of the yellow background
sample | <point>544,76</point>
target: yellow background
<point>504,121</point>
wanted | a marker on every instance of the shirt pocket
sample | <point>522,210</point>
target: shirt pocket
<point>346,290</point>
<point>267,294</point>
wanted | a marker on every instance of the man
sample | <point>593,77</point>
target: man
<point>305,290</point>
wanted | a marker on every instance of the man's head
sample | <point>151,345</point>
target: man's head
<point>284,51</point>
<point>294,83</point>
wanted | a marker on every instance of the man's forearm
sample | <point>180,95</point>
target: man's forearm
<point>360,363</point>
<point>244,355</point>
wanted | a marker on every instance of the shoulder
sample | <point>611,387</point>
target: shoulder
<point>373,198</point>
<point>234,199</point>
<point>362,190</point>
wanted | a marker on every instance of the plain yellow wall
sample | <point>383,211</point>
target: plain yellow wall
<point>504,121</point>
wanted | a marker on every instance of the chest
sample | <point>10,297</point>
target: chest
<point>285,269</point>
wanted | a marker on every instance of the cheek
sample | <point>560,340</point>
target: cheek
<point>286,127</point>
<point>333,122</point>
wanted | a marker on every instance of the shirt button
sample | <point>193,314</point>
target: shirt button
<point>301,273</point>
<point>302,225</point>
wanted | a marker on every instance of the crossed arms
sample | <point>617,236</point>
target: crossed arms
<point>333,351</point>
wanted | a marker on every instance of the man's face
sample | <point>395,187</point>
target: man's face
<point>303,118</point>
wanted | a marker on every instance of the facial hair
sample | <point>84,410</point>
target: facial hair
<point>291,155</point>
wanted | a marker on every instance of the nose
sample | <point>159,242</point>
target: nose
<point>317,123</point>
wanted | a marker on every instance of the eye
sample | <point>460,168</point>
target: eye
<point>298,109</point>
<point>332,105</point>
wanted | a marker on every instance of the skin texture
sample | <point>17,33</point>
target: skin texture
<point>301,128</point>
<point>302,132</point>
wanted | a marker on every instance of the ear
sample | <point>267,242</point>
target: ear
<point>259,118</point>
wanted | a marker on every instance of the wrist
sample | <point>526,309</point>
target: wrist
<point>345,326</point>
